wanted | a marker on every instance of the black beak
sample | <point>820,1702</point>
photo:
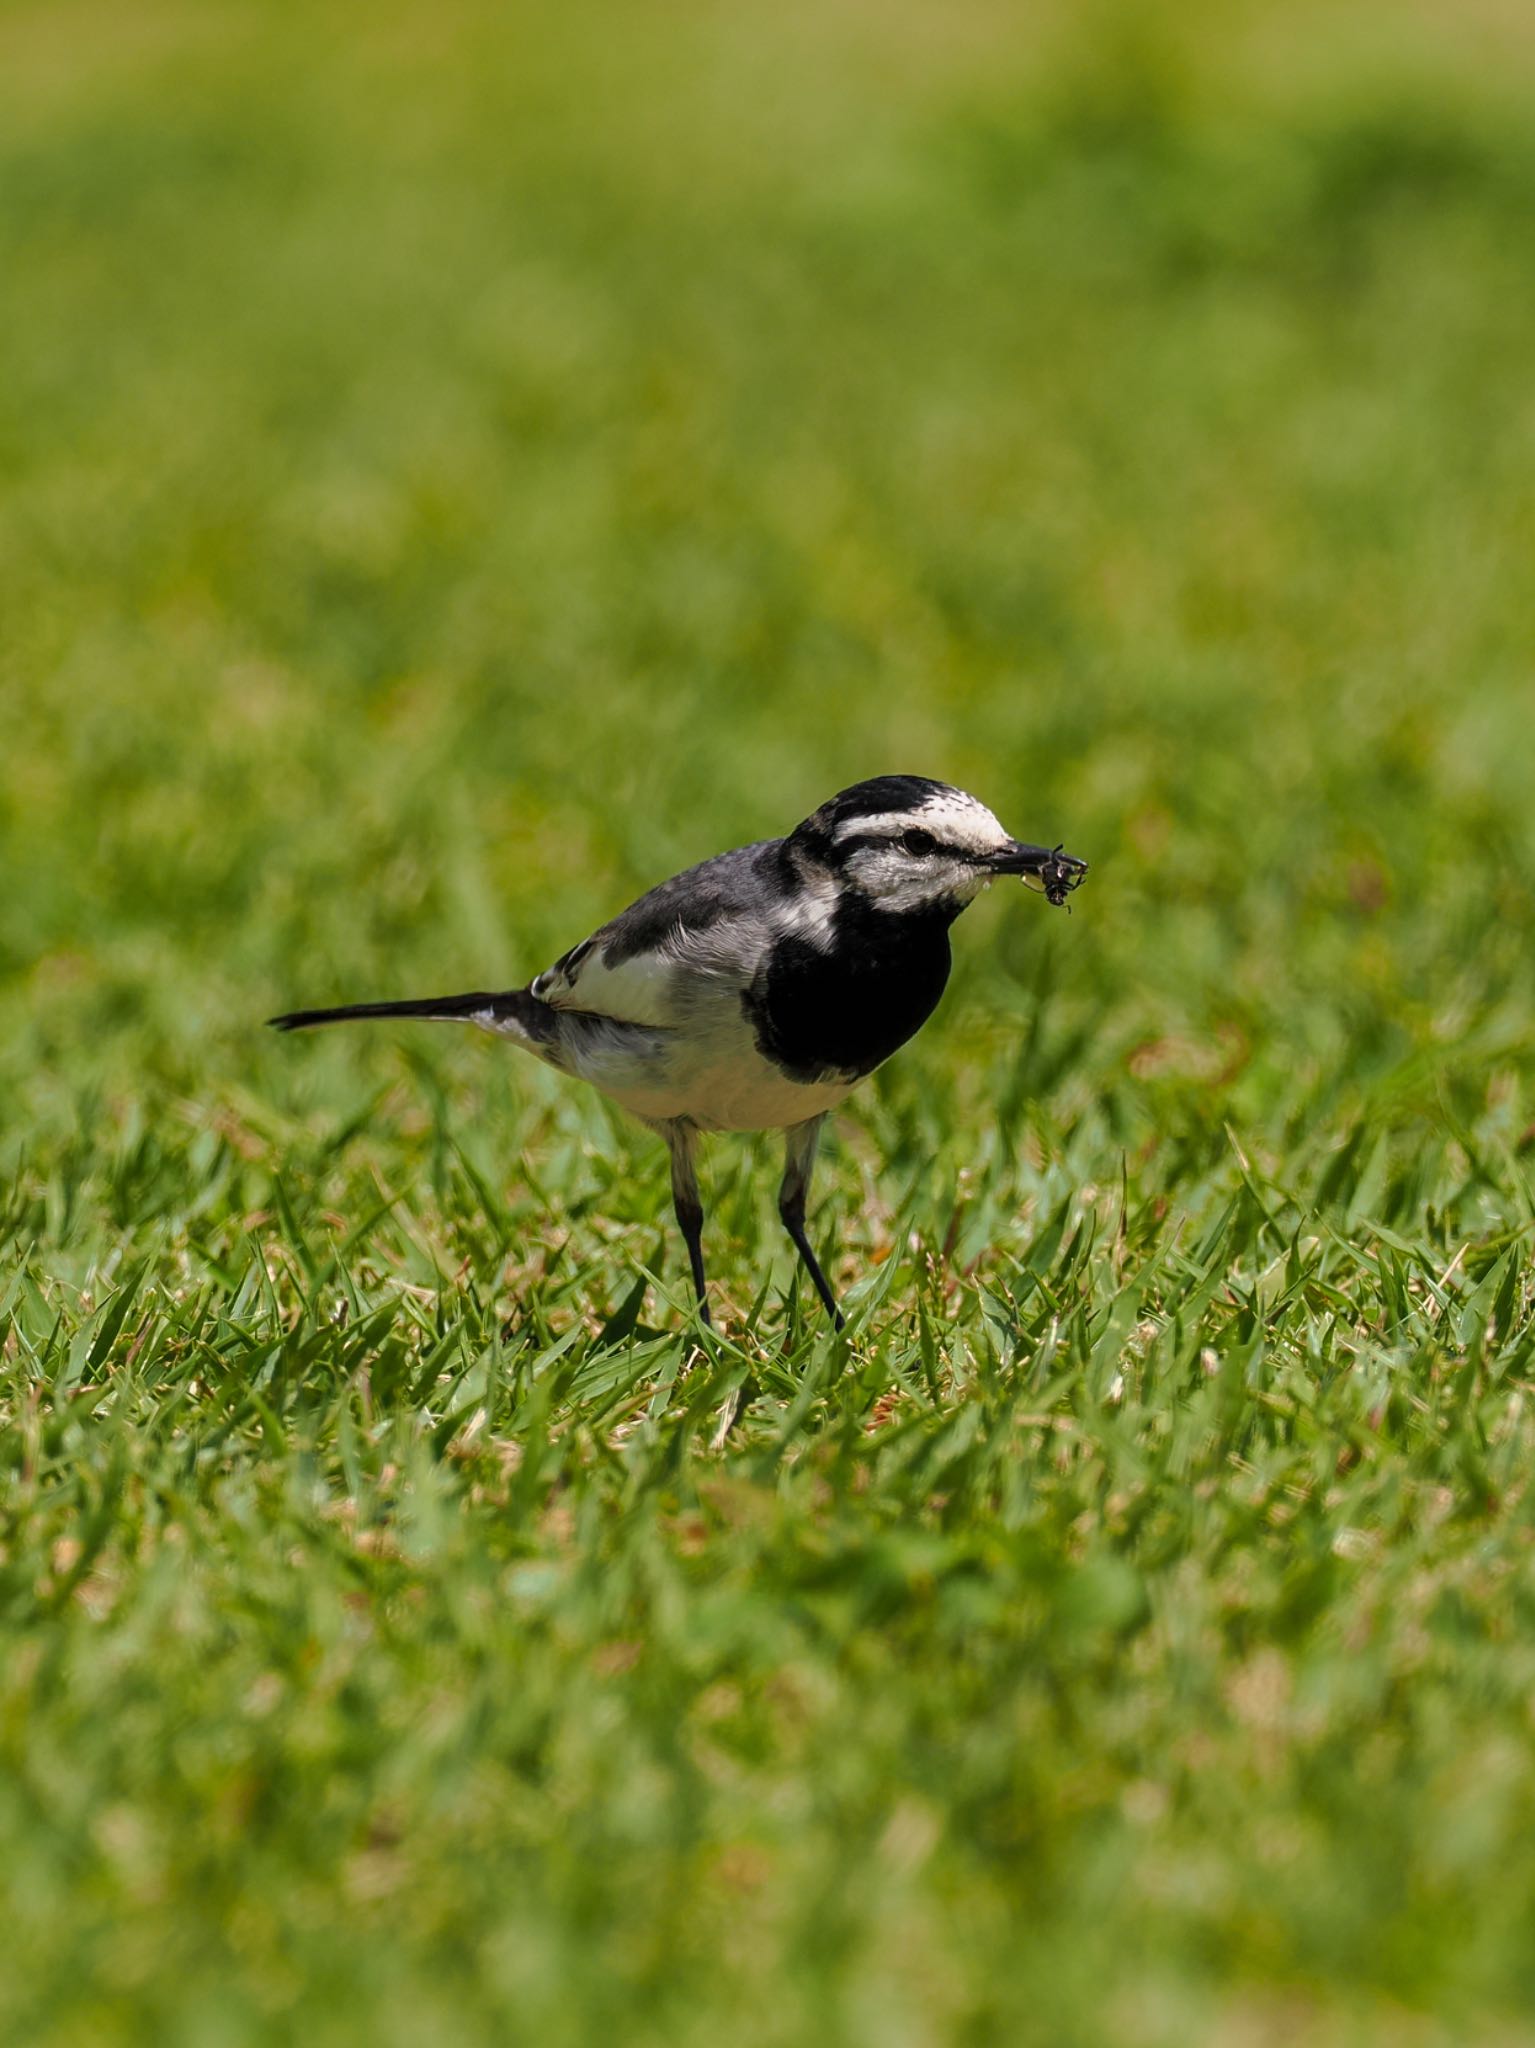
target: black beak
<point>1058,873</point>
<point>1019,859</point>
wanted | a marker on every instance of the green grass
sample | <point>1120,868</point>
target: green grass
<point>458,464</point>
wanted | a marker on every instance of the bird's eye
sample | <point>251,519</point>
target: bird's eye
<point>918,841</point>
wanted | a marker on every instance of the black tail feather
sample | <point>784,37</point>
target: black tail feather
<point>471,1009</point>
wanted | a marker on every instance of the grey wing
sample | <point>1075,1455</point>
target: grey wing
<point>704,930</point>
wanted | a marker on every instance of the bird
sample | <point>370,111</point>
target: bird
<point>754,991</point>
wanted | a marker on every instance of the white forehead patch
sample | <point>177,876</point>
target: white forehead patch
<point>954,819</point>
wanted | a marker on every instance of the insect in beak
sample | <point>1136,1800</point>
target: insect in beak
<point>1045,868</point>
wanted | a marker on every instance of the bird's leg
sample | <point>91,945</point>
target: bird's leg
<point>800,1141</point>
<point>682,1142</point>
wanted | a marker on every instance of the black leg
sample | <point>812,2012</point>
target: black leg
<point>799,1158</point>
<point>686,1200</point>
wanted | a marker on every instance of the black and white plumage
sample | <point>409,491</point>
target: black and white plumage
<point>754,991</point>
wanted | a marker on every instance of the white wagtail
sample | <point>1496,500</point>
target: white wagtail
<point>752,992</point>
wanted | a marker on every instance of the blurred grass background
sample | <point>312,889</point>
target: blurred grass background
<point>458,464</point>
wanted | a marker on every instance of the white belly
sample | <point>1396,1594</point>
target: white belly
<point>734,1095</point>
<point>695,1058</point>
<point>713,1075</point>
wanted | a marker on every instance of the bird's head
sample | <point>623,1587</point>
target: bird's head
<point>907,844</point>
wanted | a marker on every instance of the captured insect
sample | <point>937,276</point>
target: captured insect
<point>1058,874</point>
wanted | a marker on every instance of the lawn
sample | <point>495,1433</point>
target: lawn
<point>459,463</point>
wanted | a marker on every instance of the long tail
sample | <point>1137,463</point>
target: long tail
<point>515,1011</point>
